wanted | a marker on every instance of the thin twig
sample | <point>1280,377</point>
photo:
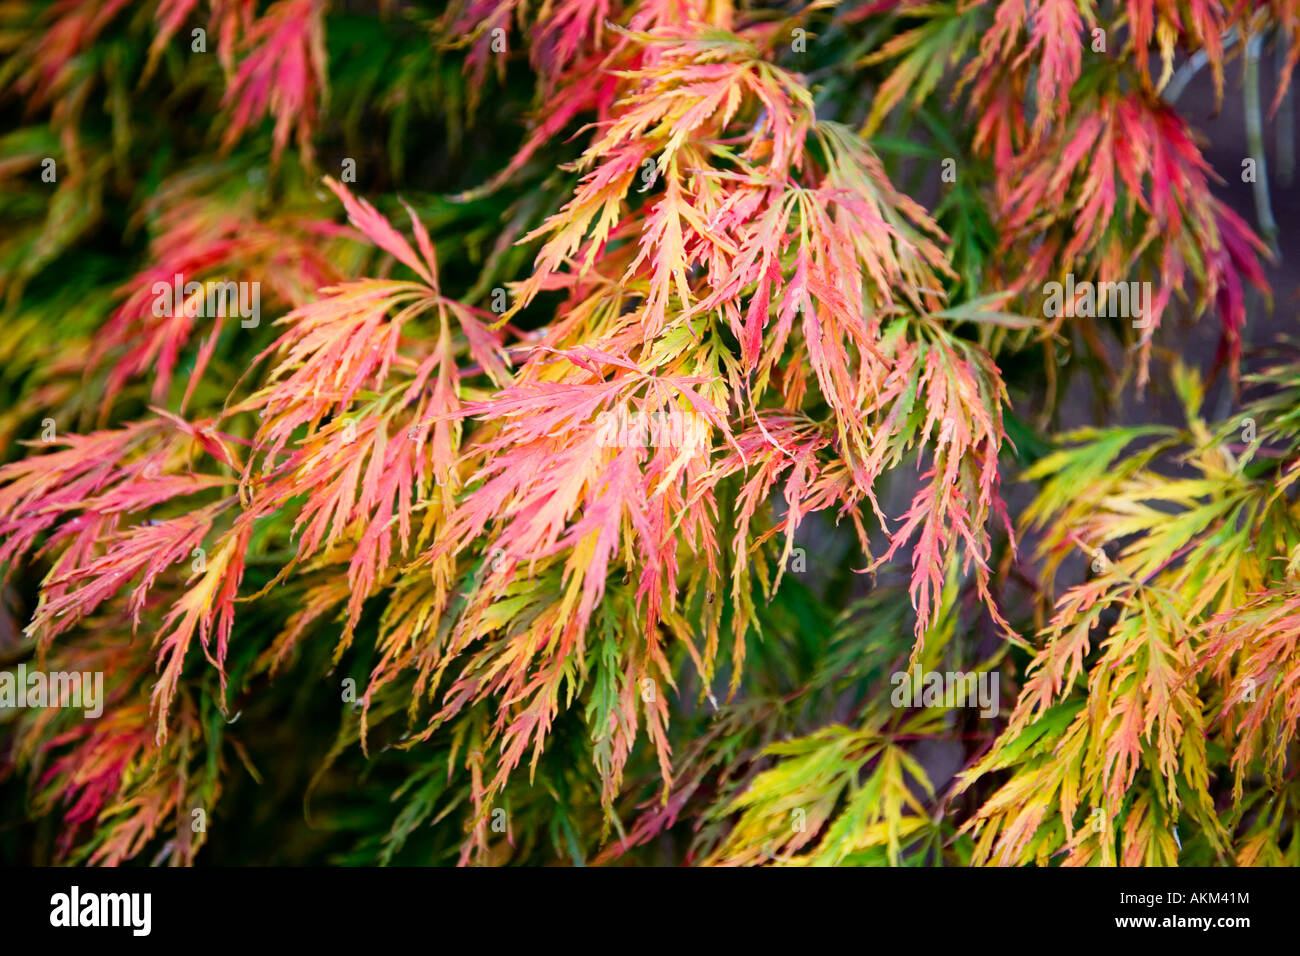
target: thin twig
<point>1193,66</point>
<point>1255,142</point>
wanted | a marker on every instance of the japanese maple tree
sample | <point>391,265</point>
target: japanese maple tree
<point>498,432</point>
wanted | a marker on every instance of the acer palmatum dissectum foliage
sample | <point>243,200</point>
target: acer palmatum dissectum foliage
<point>554,543</point>
<point>1193,627</point>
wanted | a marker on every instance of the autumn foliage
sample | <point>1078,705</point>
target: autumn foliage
<point>608,400</point>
